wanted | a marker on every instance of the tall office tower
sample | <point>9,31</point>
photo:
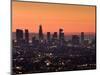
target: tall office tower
<point>27,35</point>
<point>19,35</point>
<point>55,35</point>
<point>75,39</point>
<point>48,36</point>
<point>40,32</point>
<point>82,37</point>
<point>61,34</point>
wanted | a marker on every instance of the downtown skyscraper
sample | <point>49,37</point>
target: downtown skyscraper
<point>40,33</point>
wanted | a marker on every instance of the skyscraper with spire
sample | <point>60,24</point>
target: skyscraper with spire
<point>40,32</point>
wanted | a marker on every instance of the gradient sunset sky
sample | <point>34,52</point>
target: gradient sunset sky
<point>72,18</point>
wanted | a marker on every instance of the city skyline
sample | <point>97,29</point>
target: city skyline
<point>57,34</point>
<point>52,17</point>
<point>66,33</point>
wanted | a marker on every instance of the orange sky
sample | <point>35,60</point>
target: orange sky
<point>72,18</point>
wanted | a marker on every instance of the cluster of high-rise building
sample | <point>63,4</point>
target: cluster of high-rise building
<point>24,36</point>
